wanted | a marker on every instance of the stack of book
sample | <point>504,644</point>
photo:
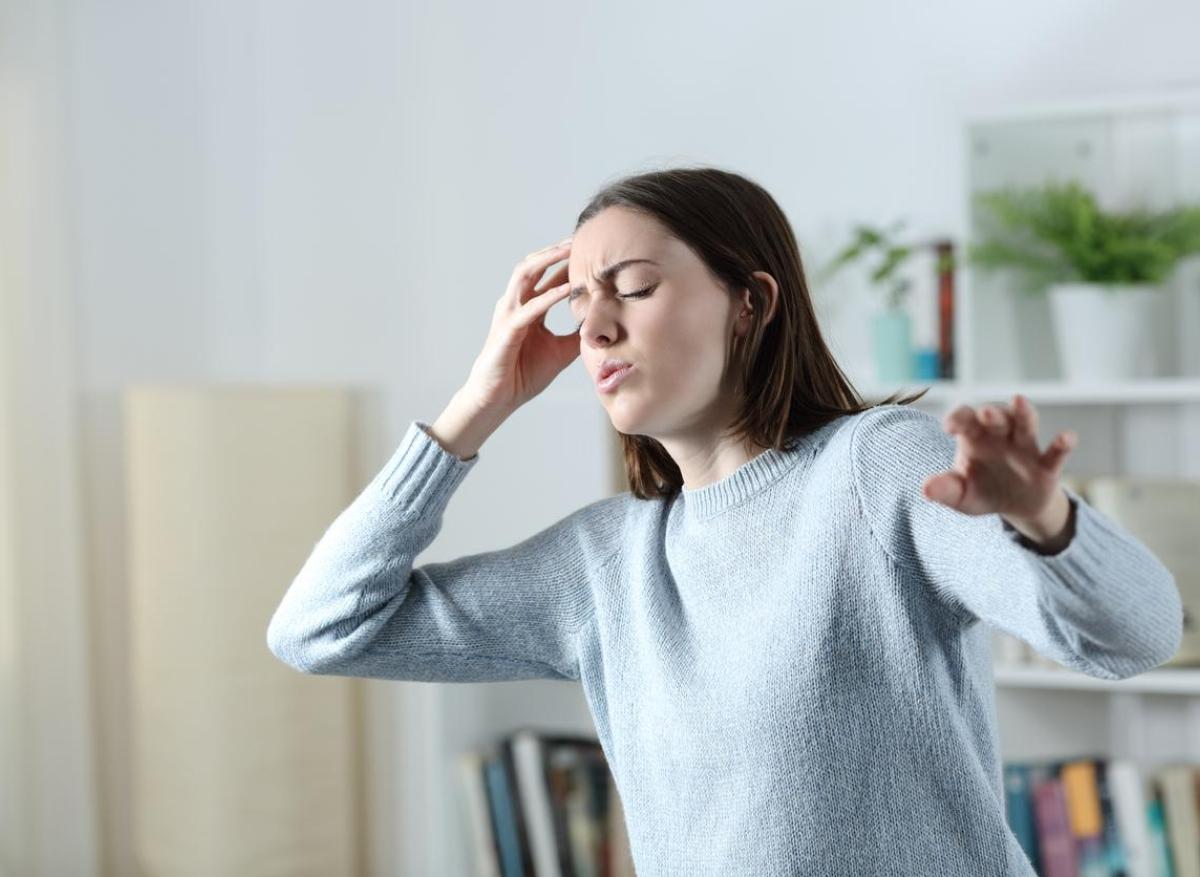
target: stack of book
<point>544,805</point>
<point>1096,817</point>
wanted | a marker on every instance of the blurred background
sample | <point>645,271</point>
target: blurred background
<point>244,244</point>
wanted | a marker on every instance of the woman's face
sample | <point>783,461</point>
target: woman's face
<point>674,333</point>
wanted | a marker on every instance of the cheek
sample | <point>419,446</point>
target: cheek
<point>685,353</point>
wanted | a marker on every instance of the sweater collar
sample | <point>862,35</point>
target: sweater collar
<point>748,479</point>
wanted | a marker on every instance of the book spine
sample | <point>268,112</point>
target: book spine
<point>1056,845</point>
<point>945,275</point>
<point>508,838</point>
<point>1019,806</point>
<point>519,817</point>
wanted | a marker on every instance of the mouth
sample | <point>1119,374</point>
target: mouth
<point>611,378</point>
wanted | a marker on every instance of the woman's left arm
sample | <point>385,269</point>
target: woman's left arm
<point>974,508</point>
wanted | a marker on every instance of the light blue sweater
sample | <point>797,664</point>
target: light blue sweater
<point>786,667</point>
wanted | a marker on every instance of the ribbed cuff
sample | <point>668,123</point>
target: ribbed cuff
<point>1097,543</point>
<point>421,475</point>
<point>1105,569</point>
<point>1025,542</point>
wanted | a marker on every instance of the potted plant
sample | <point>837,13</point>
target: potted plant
<point>1104,270</point>
<point>891,328</point>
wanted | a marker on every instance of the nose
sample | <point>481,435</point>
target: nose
<point>599,328</point>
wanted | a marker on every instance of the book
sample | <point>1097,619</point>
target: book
<point>505,810</point>
<point>478,813</point>
<point>1083,800</point>
<point>1056,845</point>
<point>1158,835</point>
<point>1129,799</point>
<point>946,306</point>
<point>1018,802</point>
<point>1177,783</point>
<point>546,807</point>
<point>1112,847</point>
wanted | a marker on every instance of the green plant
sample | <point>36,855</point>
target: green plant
<point>1057,233</point>
<point>867,239</point>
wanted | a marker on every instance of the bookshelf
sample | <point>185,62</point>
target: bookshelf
<point>1168,680</point>
<point>1132,149</point>
<point>1146,391</point>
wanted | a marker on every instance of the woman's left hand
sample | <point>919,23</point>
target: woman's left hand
<point>998,467</point>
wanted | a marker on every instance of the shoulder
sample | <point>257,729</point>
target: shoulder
<point>601,526</point>
<point>890,442</point>
<point>892,426</point>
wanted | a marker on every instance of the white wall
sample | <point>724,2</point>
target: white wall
<point>49,822</point>
<point>337,192</point>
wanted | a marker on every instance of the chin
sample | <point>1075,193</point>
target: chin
<point>626,421</point>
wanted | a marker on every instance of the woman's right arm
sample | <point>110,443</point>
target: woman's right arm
<point>358,607</point>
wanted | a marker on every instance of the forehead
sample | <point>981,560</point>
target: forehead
<point>616,233</point>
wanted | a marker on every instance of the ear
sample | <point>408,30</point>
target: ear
<point>746,308</point>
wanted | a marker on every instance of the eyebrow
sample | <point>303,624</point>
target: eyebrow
<point>612,270</point>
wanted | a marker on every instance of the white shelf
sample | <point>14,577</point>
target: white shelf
<point>1166,680</point>
<point>1144,391</point>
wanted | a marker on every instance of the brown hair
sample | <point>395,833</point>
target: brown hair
<point>787,381</point>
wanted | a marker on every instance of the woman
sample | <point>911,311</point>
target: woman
<point>777,634</point>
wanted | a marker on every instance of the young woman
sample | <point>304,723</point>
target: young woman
<point>783,628</point>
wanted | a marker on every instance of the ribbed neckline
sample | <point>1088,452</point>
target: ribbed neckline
<point>748,479</point>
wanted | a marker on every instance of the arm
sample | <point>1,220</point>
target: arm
<point>1103,605</point>
<point>358,607</point>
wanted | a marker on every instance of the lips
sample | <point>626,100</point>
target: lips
<point>611,365</point>
<point>613,378</point>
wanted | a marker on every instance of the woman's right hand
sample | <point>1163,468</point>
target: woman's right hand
<point>521,356</point>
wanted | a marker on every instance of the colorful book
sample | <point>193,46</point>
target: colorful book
<point>1177,784</point>
<point>1056,843</point>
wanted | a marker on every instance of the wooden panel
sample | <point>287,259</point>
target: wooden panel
<point>242,765</point>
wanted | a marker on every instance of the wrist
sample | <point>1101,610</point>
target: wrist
<point>1052,529</point>
<point>464,425</point>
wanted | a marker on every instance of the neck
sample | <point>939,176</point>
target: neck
<point>703,461</point>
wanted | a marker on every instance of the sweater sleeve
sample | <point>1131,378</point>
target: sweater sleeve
<point>358,607</point>
<point>1103,605</point>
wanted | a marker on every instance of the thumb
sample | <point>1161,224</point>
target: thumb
<point>567,348</point>
<point>947,488</point>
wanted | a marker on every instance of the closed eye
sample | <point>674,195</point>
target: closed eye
<point>637,293</point>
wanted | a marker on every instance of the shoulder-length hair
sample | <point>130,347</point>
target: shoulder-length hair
<point>787,381</point>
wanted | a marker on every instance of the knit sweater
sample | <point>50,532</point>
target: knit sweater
<point>789,669</point>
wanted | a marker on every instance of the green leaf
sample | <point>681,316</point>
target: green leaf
<point>1058,232</point>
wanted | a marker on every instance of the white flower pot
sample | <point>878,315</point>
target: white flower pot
<point>1106,331</point>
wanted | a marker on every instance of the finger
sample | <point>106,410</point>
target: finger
<point>963,421</point>
<point>947,488</point>
<point>1026,426</point>
<point>551,281</point>
<point>528,271</point>
<point>1056,454</point>
<point>536,307</point>
<point>996,421</point>
<point>559,276</point>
